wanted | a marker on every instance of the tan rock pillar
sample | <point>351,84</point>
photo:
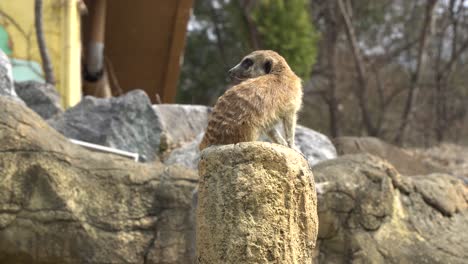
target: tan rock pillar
<point>256,204</point>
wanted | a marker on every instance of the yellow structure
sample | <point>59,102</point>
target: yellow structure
<point>62,30</point>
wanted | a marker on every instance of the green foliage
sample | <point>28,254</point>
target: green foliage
<point>285,27</point>
<point>370,13</point>
<point>219,37</point>
<point>209,54</point>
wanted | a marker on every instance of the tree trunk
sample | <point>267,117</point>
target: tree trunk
<point>46,62</point>
<point>415,78</point>
<point>254,36</point>
<point>361,89</point>
<point>331,36</point>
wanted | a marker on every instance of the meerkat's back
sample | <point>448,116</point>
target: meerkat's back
<point>256,104</point>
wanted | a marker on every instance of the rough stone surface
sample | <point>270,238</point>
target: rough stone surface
<point>40,97</point>
<point>450,156</point>
<point>188,155</point>
<point>404,161</point>
<point>369,213</point>
<point>60,203</point>
<point>6,77</point>
<point>181,123</point>
<point>256,204</point>
<point>127,122</point>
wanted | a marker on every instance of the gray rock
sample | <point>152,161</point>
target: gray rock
<point>186,123</point>
<point>315,146</point>
<point>181,123</point>
<point>6,77</point>
<point>40,97</point>
<point>188,155</point>
<point>127,122</point>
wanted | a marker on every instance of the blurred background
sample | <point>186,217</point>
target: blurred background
<point>396,69</point>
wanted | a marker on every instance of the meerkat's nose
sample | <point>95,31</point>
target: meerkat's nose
<point>230,72</point>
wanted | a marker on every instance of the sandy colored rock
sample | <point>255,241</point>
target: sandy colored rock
<point>369,213</point>
<point>257,204</point>
<point>60,203</point>
<point>450,156</point>
<point>404,161</point>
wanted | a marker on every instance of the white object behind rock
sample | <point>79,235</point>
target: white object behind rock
<point>127,122</point>
<point>6,77</point>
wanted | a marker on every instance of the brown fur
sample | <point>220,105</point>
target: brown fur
<point>263,98</point>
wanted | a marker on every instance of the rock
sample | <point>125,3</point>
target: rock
<point>188,155</point>
<point>314,145</point>
<point>403,161</point>
<point>450,156</point>
<point>40,97</point>
<point>6,77</point>
<point>127,122</point>
<point>256,204</point>
<point>60,203</point>
<point>181,123</point>
<point>443,192</point>
<point>369,213</point>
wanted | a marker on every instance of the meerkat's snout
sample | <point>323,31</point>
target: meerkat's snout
<point>246,69</point>
<point>234,76</point>
<point>231,73</point>
<point>231,77</point>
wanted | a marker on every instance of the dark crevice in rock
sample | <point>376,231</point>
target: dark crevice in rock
<point>150,246</point>
<point>436,206</point>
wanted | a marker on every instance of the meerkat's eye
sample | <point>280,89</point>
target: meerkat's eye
<point>247,63</point>
<point>267,67</point>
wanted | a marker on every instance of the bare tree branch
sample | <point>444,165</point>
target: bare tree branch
<point>360,70</point>
<point>414,86</point>
<point>46,62</point>
<point>331,36</point>
<point>254,36</point>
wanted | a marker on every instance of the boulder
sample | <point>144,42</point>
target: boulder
<point>256,204</point>
<point>40,97</point>
<point>188,155</point>
<point>450,156</point>
<point>314,146</point>
<point>6,77</point>
<point>404,161</point>
<point>127,122</point>
<point>369,213</point>
<point>60,203</point>
<point>180,123</point>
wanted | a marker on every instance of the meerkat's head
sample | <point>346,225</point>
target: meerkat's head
<point>258,63</point>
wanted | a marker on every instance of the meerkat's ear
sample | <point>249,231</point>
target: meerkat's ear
<point>267,66</point>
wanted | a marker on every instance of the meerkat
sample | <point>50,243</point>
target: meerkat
<point>268,92</point>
